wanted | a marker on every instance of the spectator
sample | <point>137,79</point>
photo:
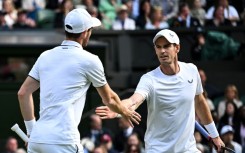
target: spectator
<point>107,142</point>
<point>88,145</point>
<point>11,145</point>
<point>93,11</point>
<point>88,3</point>
<point>197,11</point>
<point>227,135</point>
<point>23,22</point>
<point>3,24</point>
<point>144,16</point>
<point>212,90</point>
<point>230,116</point>
<point>123,22</point>
<point>108,10</point>
<point>96,130</point>
<point>11,13</point>
<point>134,139</point>
<point>218,19</point>
<point>33,6</point>
<point>15,70</point>
<point>200,145</point>
<point>157,21</point>
<point>65,7</point>
<point>184,18</point>
<point>170,8</point>
<point>239,135</point>
<point>231,95</point>
<point>100,149</point>
<point>132,149</point>
<point>129,5</point>
<point>230,12</point>
<point>125,131</point>
<point>135,8</point>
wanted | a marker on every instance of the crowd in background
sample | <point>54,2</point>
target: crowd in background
<point>124,14</point>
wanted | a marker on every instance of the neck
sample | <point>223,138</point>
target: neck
<point>170,69</point>
<point>80,41</point>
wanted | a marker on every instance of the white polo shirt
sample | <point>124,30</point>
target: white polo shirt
<point>65,74</point>
<point>171,109</point>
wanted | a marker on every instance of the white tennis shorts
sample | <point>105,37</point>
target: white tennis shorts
<point>54,148</point>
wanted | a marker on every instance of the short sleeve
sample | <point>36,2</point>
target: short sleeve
<point>199,88</point>
<point>145,86</point>
<point>95,73</point>
<point>34,73</point>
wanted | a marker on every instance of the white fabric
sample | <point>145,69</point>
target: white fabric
<point>129,24</point>
<point>242,134</point>
<point>65,74</point>
<point>162,25</point>
<point>170,35</point>
<point>210,104</point>
<point>128,131</point>
<point>80,20</point>
<point>211,128</point>
<point>230,12</point>
<point>11,18</point>
<point>29,125</point>
<point>50,148</point>
<point>225,129</point>
<point>171,111</point>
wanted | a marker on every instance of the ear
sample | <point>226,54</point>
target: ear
<point>84,34</point>
<point>178,48</point>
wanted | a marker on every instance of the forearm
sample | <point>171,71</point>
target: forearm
<point>203,111</point>
<point>26,106</point>
<point>114,103</point>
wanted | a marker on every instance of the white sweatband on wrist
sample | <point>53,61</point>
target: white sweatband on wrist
<point>212,130</point>
<point>29,125</point>
<point>118,115</point>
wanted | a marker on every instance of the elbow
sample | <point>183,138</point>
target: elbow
<point>21,93</point>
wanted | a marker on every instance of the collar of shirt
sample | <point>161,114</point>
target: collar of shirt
<point>71,43</point>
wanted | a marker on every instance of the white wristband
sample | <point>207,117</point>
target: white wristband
<point>29,125</point>
<point>118,115</point>
<point>212,130</point>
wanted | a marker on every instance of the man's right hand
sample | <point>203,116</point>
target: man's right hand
<point>105,113</point>
<point>131,116</point>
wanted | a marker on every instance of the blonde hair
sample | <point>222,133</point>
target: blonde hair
<point>232,87</point>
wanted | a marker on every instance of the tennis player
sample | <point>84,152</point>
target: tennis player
<point>64,75</point>
<point>173,92</point>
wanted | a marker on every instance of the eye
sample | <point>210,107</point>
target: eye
<point>167,45</point>
<point>158,47</point>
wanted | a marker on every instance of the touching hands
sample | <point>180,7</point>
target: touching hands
<point>131,116</point>
<point>105,113</point>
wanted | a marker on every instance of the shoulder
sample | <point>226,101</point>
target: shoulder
<point>190,66</point>
<point>46,53</point>
<point>90,58</point>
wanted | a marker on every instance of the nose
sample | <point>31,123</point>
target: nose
<point>162,49</point>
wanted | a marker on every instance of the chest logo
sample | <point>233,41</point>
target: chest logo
<point>190,81</point>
